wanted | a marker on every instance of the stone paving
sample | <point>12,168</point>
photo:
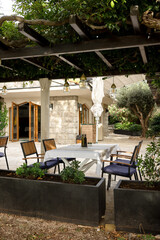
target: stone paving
<point>14,154</point>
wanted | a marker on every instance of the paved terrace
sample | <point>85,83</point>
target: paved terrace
<point>14,154</point>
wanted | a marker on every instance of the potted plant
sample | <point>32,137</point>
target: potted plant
<point>136,203</point>
<point>71,197</point>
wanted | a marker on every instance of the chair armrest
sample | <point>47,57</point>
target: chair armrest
<point>120,156</point>
<point>124,152</point>
<point>31,158</point>
<point>127,164</point>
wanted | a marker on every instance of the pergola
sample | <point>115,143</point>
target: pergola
<point>102,49</point>
<point>108,55</point>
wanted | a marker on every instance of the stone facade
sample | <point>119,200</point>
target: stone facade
<point>64,119</point>
<point>105,123</point>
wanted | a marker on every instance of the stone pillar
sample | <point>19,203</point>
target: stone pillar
<point>105,123</point>
<point>45,86</point>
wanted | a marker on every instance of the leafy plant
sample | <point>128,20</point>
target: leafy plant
<point>154,126</point>
<point>150,163</point>
<point>128,126</point>
<point>30,172</point>
<point>3,118</point>
<point>72,174</point>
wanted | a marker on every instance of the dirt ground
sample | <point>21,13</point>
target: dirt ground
<point>14,227</point>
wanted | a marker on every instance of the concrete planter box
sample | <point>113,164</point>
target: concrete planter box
<point>136,210</point>
<point>80,204</point>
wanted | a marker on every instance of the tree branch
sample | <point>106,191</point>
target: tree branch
<point>33,22</point>
<point>16,43</point>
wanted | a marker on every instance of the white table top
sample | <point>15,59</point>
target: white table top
<point>76,151</point>
<point>95,152</point>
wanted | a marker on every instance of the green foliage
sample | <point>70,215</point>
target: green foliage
<point>128,126</point>
<point>150,163</point>
<point>72,174</point>
<point>139,100</point>
<point>154,126</point>
<point>117,114</point>
<point>3,118</point>
<point>30,172</point>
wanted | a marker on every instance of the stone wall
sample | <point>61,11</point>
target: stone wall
<point>64,119</point>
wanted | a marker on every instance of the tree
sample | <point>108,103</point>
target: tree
<point>3,118</point>
<point>139,100</point>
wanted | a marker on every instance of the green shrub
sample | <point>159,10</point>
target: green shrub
<point>30,172</point>
<point>154,126</point>
<point>149,165</point>
<point>3,118</point>
<point>128,126</point>
<point>72,174</point>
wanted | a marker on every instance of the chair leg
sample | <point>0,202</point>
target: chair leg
<point>6,161</point>
<point>136,176</point>
<point>109,181</point>
<point>140,175</point>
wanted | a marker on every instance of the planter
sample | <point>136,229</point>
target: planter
<point>136,210</point>
<point>80,204</point>
<point>127,132</point>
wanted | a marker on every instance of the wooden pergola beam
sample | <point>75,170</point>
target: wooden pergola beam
<point>77,25</point>
<point>30,33</point>
<point>36,37</point>
<point>3,46</point>
<point>70,63</point>
<point>3,66</point>
<point>122,42</point>
<point>134,13</point>
<point>35,64</point>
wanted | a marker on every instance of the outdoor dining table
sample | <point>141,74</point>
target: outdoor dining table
<point>92,154</point>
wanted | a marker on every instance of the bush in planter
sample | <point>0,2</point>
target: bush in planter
<point>72,174</point>
<point>149,165</point>
<point>30,172</point>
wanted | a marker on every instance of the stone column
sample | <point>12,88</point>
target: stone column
<point>45,86</point>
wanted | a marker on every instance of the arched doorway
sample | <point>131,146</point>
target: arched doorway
<point>24,121</point>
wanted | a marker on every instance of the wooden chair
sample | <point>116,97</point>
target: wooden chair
<point>29,149</point>
<point>121,168</point>
<point>50,144</point>
<point>125,156</point>
<point>3,144</point>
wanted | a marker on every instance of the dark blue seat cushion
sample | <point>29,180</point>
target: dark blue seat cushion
<point>1,154</point>
<point>48,164</point>
<point>119,170</point>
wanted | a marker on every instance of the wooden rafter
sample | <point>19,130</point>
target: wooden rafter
<point>3,46</point>
<point>77,25</point>
<point>32,34</point>
<point>36,37</point>
<point>134,13</point>
<point>122,42</point>
<point>35,64</point>
<point>70,63</point>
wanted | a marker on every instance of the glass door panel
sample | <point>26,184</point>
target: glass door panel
<point>15,122</point>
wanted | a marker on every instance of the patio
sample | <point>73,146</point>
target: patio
<point>14,154</point>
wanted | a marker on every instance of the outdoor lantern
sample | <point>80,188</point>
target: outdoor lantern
<point>4,90</point>
<point>82,83</point>
<point>113,90</point>
<point>66,87</point>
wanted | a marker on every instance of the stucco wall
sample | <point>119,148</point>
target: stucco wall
<point>64,119</point>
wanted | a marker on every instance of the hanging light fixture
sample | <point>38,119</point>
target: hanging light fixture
<point>82,83</point>
<point>4,90</point>
<point>66,87</point>
<point>113,90</point>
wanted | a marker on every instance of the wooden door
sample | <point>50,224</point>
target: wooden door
<point>14,122</point>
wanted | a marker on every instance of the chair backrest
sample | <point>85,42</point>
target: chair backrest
<point>134,156</point>
<point>139,147</point>
<point>3,141</point>
<point>28,148</point>
<point>49,144</point>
